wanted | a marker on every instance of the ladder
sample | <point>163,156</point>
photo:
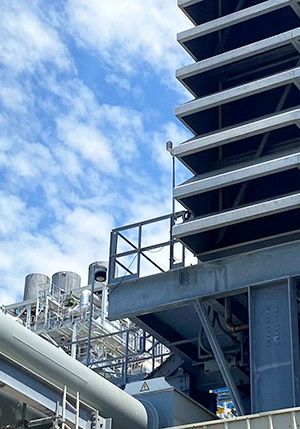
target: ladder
<point>60,420</point>
<point>60,413</point>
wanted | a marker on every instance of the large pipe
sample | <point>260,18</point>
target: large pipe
<point>38,355</point>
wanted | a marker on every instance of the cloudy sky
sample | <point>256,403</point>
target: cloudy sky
<point>87,100</point>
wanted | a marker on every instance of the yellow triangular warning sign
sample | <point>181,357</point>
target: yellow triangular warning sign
<point>144,387</point>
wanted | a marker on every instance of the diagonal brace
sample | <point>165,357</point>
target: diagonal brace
<point>243,189</point>
<point>226,34</point>
<point>219,356</point>
<point>296,8</point>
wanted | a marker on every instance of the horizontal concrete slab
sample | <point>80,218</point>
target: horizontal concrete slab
<point>239,215</point>
<point>238,92</point>
<point>199,184</point>
<point>239,132</point>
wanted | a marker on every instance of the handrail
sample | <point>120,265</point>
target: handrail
<point>138,250</point>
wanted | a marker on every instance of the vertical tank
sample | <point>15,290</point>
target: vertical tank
<point>33,283</point>
<point>98,271</point>
<point>85,297</point>
<point>66,280</point>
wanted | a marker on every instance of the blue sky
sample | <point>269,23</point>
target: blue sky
<point>87,102</point>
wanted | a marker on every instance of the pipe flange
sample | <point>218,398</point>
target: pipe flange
<point>153,417</point>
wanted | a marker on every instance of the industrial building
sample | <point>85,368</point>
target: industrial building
<point>174,334</point>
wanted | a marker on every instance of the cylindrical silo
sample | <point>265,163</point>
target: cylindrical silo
<point>33,283</point>
<point>66,280</point>
<point>98,271</point>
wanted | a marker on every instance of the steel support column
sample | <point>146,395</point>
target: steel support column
<point>274,346</point>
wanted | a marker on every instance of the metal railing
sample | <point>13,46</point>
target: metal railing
<point>138,252</point>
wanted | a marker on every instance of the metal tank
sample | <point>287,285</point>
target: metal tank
<point>36,354</point>
<point>33,283</point>
<point>66,280</point>
<point>98,271</point>
<point>85,297</point>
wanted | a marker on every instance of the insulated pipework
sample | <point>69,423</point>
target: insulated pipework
<point>53,364</point>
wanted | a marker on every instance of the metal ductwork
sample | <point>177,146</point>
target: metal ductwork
<point>36,354</point>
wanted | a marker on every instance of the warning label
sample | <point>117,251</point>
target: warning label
<point>144,387</point>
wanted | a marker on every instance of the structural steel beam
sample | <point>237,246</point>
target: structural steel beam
<point>226,177</point>
<point>219,357</point>
<point>207,280</point>
<point>238,54</point>
<point>274,347</point>
<point>238,92</point>
<point>243,131</point>
<point>232,19</point>
<point>242,214</point>
<point>185,3</point>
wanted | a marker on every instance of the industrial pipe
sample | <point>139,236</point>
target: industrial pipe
<point>53,364</point>
<point>228,319</point>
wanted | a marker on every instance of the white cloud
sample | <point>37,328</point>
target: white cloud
<point>116,80</point>
<point>87,141</point>
<point>84,232</point>
<point>13,97</point>
<point>34,160</point>
<point>11,208</point>
<point>26,42</point>
<point>72,165</point>
<point>128,33</point>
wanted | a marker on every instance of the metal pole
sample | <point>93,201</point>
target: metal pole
<point>126,358</point>
<point>77,411</point>
<point>173,212</point>
<point>88,352</point>
<point>104,301</point>
<point>24,416</point>
<point>74,341</point>
<point>139,251</point>
<point>169,148</point>
<point>64,406</point>
<point>173,184</point>
<point>153,353</point>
